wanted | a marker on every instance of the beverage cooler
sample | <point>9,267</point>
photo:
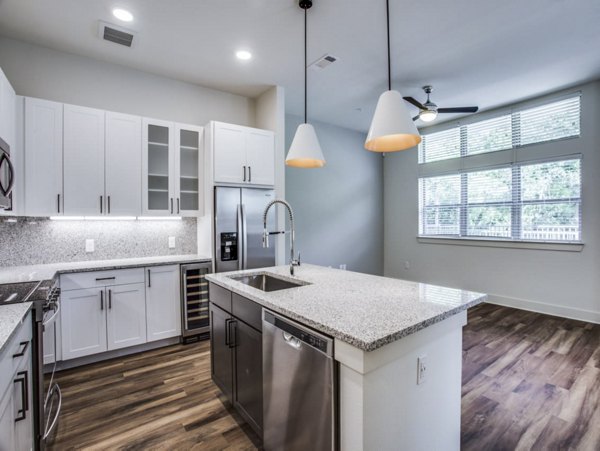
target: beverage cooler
<point>194,297</point>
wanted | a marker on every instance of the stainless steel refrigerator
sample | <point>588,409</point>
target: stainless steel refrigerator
<point>239,227</point>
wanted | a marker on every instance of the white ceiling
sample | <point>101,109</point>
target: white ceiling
<point>474,52</point>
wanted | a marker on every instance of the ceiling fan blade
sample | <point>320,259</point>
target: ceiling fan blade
<point>416,117</point>
<point>416,103</point>
<point>464,109</point>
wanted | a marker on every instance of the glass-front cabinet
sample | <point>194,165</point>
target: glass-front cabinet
<point>172,169</point>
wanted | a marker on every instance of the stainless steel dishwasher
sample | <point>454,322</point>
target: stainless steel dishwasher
<point>299,387</point>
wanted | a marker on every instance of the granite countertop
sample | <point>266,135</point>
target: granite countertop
<point>365,311</point>
<point>18,274</point>
<point>11,316</point>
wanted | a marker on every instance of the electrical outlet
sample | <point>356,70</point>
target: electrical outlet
<point>343,266</point>
<point>171,242</point>
<point>421,369</point>
<point>89,245</point>
<point>406,264</point>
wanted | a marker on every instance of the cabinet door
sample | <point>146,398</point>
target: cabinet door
<point>260,157</point>
<point>157,168</point>
<point>220,351</point>
<point>229,154</point>
<point>83,322</point>
<point>163,302</point>
<point>126,315</point>
<point>189,191</point>
<point>7,420</point>
<point>7,111</point>
<point>24,427</point>
<point>83,152</point>
<point>248,373</point>
<point>43,157</point>
<point>123,164</point>
<point>52,342</point>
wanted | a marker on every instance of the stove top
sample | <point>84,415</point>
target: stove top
<point>11,293</point>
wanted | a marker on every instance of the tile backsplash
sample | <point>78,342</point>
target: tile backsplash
<point>28,241</point>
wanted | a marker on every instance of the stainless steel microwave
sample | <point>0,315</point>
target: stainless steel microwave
<point>7,176</point>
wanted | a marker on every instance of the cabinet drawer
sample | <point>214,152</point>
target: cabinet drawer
<point>248,311</point>
<point>220,296</point>
<point>93,279</point>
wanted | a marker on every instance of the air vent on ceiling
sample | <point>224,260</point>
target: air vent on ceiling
<point>116,34</point>
<point>324,62</point>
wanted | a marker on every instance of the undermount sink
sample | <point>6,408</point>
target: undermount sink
<point>266,282</point>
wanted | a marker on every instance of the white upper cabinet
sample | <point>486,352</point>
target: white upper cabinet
<point>8,100</point>
<point>83,151</point>
<point>43,157</point>
<point>172,181</point>
<point>243,155</point>
<point>123,165</point>
<point>188,189</point>
<point>260,157</point>
<point>229,154</point>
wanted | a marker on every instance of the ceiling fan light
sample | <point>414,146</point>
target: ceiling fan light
<point>392,128</point>
<point>305,151</point>
<point>428,115</point>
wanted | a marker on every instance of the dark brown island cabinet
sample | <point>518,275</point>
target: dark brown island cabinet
<point>236,352</point>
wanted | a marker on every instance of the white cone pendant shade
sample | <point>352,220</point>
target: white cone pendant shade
<point>305,151</point>
<point>392,128</point>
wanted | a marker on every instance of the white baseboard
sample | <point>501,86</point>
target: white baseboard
<point>548,309</point>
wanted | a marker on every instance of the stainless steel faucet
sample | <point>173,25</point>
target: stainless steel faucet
<point>266,233</point>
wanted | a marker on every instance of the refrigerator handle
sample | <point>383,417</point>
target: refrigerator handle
<point>241,237</point>
<point>245,243</point>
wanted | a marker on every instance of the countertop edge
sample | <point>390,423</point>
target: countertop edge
<point>360,344</point>
<point>12,332</point>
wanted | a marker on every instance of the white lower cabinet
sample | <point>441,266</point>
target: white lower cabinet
<point>163,304</point>
<point>52,338</point>
<point>83,319</point>
<point>112,315</point>
<point>126,316</point>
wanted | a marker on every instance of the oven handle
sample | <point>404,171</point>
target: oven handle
<point>56,310</point>
<point>48,431</point>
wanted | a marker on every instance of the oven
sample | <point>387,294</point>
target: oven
<point>7,176</point>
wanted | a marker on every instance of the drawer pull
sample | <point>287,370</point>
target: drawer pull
<point>105,278</point>
<point>21,353</point>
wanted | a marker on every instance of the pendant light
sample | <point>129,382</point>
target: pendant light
<point>392,127</point>
<point>305,151</point>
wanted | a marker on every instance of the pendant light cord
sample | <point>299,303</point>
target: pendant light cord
<point>387,9</point>
<point>305,67</point>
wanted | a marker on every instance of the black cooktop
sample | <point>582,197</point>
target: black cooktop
<point>11,293</point>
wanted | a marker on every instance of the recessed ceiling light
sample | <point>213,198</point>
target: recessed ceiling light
<point>122,14</point>
<point>243,54</point>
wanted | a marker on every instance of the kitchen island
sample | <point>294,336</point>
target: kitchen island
<point>383,330</point>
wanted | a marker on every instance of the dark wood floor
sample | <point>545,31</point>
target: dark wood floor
<point>530,381</point>
<point>161,399</point>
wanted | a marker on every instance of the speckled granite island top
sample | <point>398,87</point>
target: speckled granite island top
<point>11,317</point>
<point>17,274</point>
<point>365,311</point>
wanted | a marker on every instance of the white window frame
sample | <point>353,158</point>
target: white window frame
<point>515,158</point>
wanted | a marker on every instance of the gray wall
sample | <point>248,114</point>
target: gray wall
<point>555,282</point>
<point>36,71</point>
<point>41,240</point>
<point>339,208</point>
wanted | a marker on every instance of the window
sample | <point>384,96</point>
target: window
<point>529,202</point>
<point>473,184</point>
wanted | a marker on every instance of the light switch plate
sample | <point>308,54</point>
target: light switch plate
<point>171,242</point>
<point>89,245</point>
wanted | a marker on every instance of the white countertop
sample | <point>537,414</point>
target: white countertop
<point>11,316</point>
<point>17,274</point>
<point>365,311</point>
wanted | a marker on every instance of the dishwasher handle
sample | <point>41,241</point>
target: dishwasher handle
<point>296,335</point>
<point>291,340</point>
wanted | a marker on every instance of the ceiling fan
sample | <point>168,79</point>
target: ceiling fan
<point>428,111</point>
